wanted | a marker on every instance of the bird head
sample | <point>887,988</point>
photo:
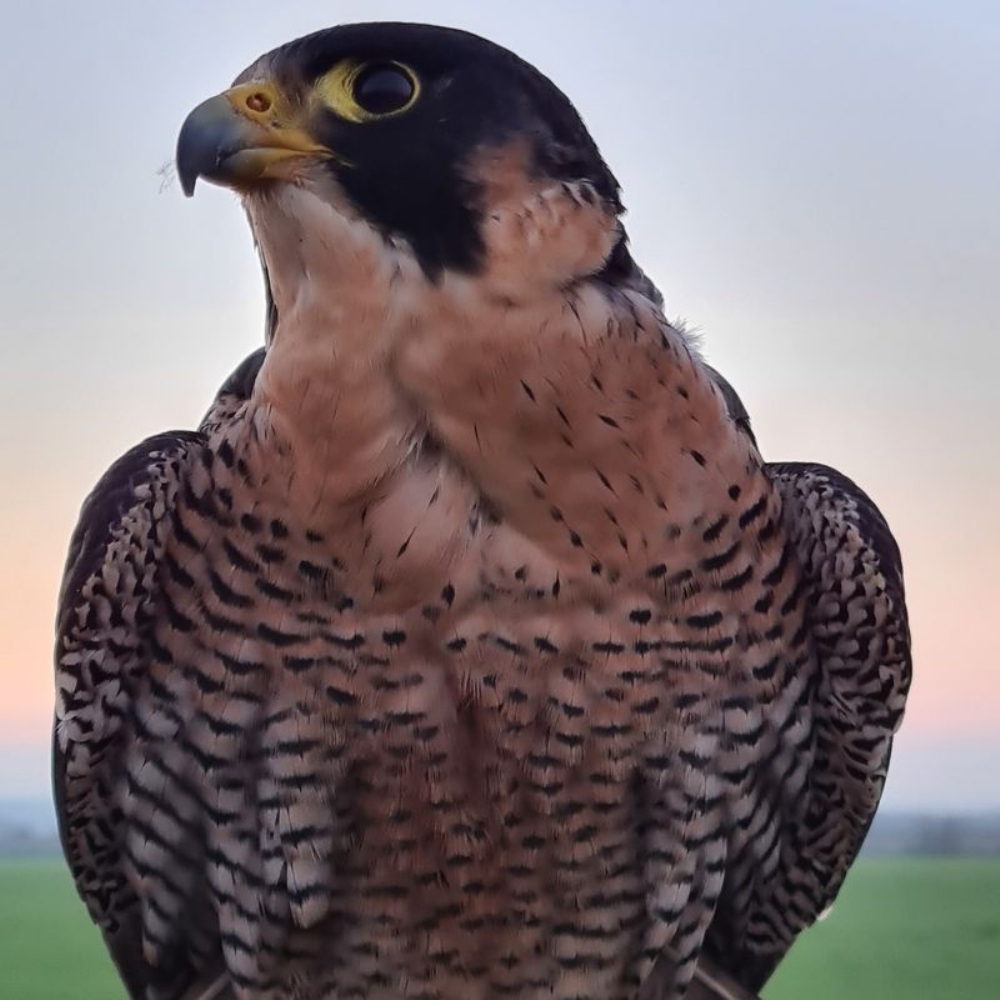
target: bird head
<point>452,149</point>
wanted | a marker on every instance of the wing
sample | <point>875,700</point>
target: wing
<point>857,617</point>
<point>108,600</point>
<point>737,411</point>
<point>860,630</point>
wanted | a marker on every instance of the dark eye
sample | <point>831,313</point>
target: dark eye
<point>381,89</point>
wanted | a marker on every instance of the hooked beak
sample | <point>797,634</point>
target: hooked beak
<point>248,134</point>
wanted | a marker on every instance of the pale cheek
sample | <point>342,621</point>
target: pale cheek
<point>545,240</point>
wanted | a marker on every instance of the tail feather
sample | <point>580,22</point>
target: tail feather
<point>711,983</point>
<point>218,988</point>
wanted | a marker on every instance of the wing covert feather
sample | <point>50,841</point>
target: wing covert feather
<point>859,630</point>
<point>107,600</point>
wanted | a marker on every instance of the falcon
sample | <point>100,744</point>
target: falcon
<point>468,648</point>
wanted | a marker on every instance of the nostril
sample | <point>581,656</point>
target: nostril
<point>259,101</point>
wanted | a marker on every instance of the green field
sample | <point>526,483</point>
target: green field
<point>913,929</point>
<point>902,928</point>
<point>49,950</point>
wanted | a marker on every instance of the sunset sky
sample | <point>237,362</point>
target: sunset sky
<point>814,186</point>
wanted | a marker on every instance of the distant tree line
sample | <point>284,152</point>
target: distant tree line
<point>894,834</point>
<point>934,836</point>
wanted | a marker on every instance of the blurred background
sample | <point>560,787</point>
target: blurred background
<point>815,188</point>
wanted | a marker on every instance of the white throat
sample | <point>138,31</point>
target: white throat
<point>325,392</point>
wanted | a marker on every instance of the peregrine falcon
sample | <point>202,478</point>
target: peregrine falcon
<point>469,648</point>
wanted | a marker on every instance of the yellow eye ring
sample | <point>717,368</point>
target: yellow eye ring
<point>364,91</point>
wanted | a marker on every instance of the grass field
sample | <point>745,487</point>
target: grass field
<point>913,929</point>
<point>902,928</point>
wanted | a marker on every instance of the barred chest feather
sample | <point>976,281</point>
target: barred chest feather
<point>426,743</point>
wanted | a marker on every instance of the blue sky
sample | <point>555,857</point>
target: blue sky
<point>814,187</point>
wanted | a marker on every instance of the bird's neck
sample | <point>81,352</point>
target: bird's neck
<point>324,401</point>
<point>579,407</point>
<point>586,420</point>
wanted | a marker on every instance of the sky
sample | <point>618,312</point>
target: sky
<point>813,186</point>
